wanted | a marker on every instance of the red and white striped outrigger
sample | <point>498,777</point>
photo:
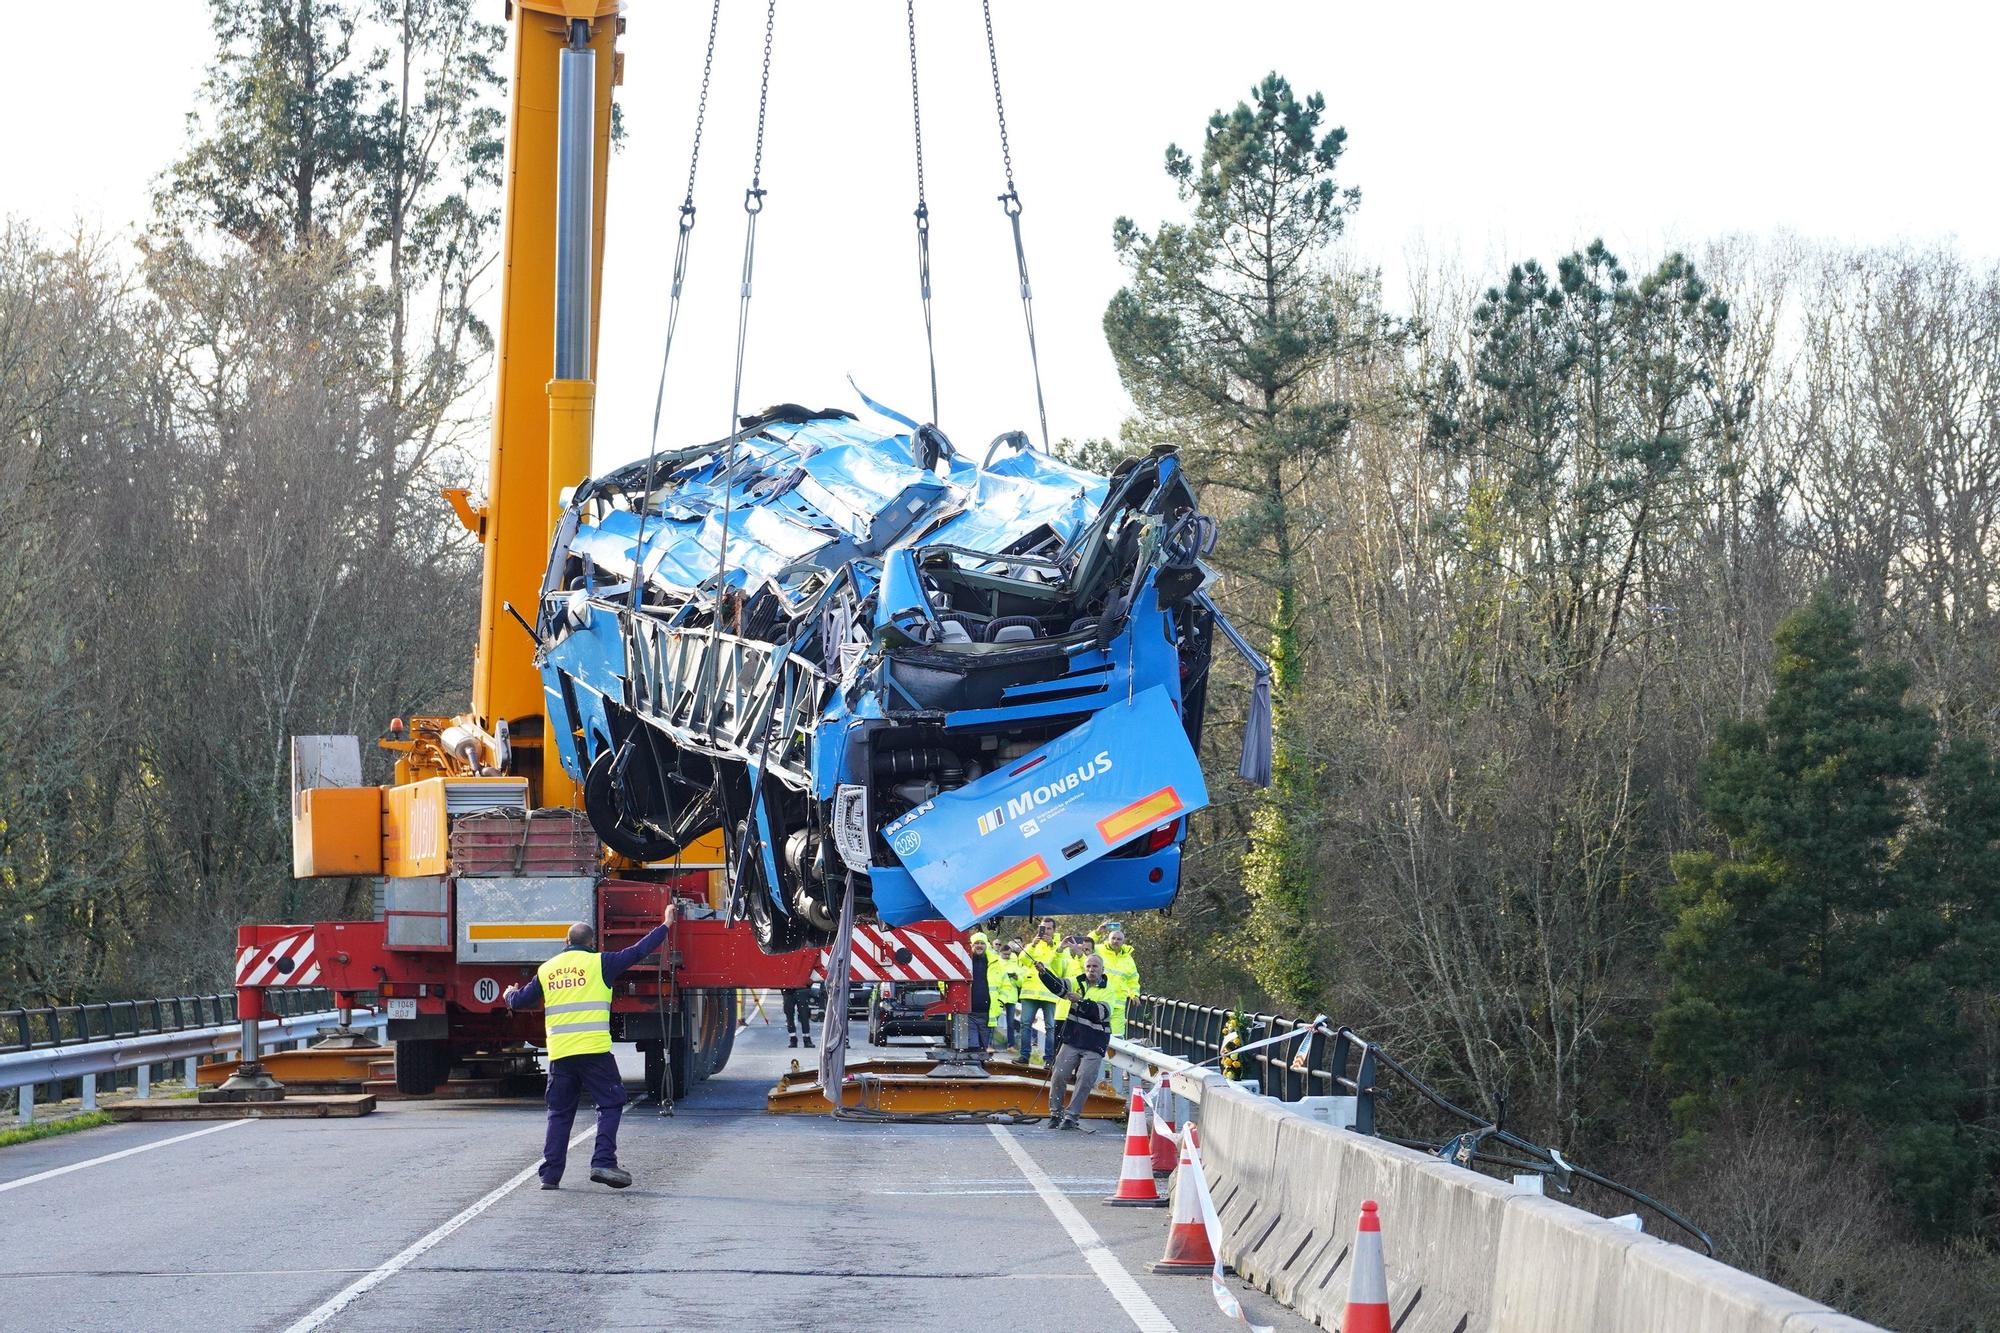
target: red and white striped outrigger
<point>928,951</point>
<point>284,961</point>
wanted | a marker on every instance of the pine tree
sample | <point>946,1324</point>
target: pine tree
<point>287,144</point>
<point>1591,421</point>
<point>1809,960</point>
<point>369,128</point>
<point>1222,337</point>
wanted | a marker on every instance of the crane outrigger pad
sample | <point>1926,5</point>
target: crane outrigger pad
<point>897,1088</point>
<point>316,1067</point>
<point>903,1064</point>
<point>339,1105</point>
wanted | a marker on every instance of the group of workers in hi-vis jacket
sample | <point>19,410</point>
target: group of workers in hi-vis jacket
<point>1075,987</point>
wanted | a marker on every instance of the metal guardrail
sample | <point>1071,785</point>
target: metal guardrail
<point>74,1024</point>
<point>1343,1063</point>
<point>88,1060</point>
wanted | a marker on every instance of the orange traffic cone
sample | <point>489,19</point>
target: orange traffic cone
<point>1368,1291</point>
<point>1135,1174</point>
<point>1188,1250</point>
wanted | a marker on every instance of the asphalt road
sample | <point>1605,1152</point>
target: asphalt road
<point>739,1220</point>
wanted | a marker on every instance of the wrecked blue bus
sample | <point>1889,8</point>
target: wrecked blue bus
<point>954,687</point>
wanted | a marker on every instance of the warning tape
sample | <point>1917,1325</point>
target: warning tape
<point>1211,1221</point>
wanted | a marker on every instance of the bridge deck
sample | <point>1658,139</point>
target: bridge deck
<point>739,1220</point>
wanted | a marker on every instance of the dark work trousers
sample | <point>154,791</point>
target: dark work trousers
<point>593,1076</point>
<point>799,1001</point>
<point>1079,1065</point>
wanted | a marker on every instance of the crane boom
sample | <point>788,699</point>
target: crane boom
<point>559,137</point>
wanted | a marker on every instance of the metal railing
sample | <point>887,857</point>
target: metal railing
<point>1342,1063</point>
<point>84,1062</point>
<point>74,1024</point>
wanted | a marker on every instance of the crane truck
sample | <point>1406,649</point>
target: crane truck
<point>479,854</point>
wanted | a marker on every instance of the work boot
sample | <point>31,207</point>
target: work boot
<point>792,1041</point>
<point>612,1176</point>
<point>1068,1124</point>
<point>807,1041</point>
<point>548,1184</point>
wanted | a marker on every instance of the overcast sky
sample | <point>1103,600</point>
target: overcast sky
<point>1488,132</point>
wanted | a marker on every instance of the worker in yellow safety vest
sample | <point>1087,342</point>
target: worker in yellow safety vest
<point>574,990</point>
<point>999,977</point>
<point>1037,998</point>
<point>1121,969</point>
<point>1003,988</point>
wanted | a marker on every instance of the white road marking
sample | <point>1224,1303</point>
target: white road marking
<point>355,1290</point>
<point>114,1156</point>
<point>1081,1191</point>
<point>1124,1288</point>
<point>177,1274</point>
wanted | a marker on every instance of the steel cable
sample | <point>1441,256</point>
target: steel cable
<point>1010,203</point>
<point>753,205</point>
<point>923,210</point>
<point>673,308</point>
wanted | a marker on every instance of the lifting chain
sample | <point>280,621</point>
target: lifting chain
<point>753,205</point>
<point>674,307</point>
<point>923,210</point>
<point>701,105</point>
<point>999,103</point>
<point>1010,203</point>
<point>763,101</point>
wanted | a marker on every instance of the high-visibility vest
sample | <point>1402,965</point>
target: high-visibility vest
<point>1047,953</point>
<point>576,1004</point>
<point>999,981</point>
<point>1006,982</point>
<point>1121,969</point>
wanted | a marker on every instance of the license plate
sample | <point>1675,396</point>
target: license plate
<point>402,1008</point>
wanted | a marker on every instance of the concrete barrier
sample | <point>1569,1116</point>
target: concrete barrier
<point>1558,1268</point>
<point>1465,1253</point>
<point>1329,1196</point>
<point>1447,1255</point>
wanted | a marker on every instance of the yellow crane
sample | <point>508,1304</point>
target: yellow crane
<point>565,65</point>
<point>482,865</point>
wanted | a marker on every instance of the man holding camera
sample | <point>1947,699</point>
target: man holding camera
<point>1085,1036</point>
